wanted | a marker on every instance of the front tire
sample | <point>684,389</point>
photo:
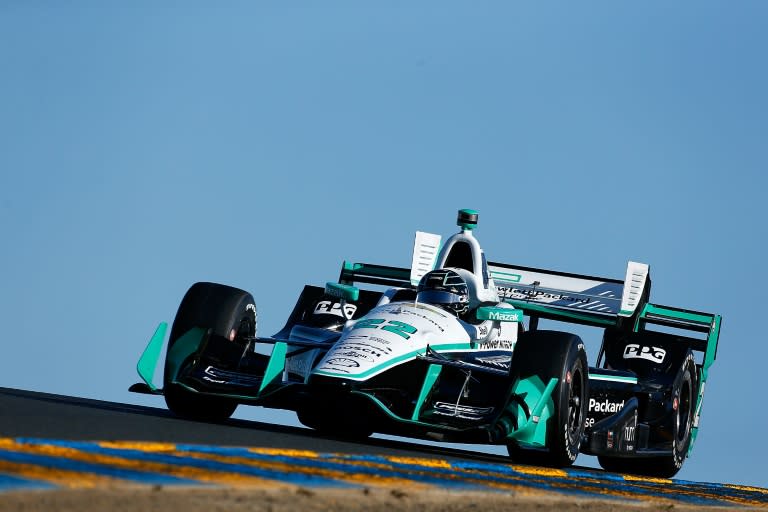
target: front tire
<point>560,355</point>
<point>335,423</point>
<point>194,406</point>
<point>228,313</point>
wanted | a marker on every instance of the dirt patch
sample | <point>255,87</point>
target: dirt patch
<point>161,499</point>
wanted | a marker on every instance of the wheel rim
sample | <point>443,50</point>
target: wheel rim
<point>682,427</point>
<point>575,398</point>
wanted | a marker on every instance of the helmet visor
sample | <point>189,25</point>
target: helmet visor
<point>440,297</point>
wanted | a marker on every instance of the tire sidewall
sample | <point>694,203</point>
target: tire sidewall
<point>566,441</point>
<point>685,382</point>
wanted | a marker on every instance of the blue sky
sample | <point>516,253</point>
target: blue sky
<point>145,146</point>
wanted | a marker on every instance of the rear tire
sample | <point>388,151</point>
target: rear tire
<point>560,355</point>
<point>225,311</point>
<point>684,389</point>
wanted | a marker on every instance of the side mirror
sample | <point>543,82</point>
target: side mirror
<point>499,314</point>
<point>342,291</point>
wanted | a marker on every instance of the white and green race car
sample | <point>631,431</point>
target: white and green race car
<point>451,350</point>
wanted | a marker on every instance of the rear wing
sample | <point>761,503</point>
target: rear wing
<point>577,298</point>
<point>573,298</point>
<point>540,293</point>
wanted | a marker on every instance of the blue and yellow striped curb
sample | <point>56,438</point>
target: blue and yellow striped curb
<point>27,463</point>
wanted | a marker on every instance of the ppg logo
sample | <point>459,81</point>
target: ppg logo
<point>334,308</point>
<point>653,354</point>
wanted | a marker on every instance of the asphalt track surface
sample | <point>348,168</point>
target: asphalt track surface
<point>53,442</point>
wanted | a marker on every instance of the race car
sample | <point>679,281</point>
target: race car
<point>451,350</point>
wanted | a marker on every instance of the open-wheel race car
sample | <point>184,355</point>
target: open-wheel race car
<point>451,350</point>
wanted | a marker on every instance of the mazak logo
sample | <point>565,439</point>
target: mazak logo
<point>605,405</point>
<point>653,354</point>
<point>504,317</point>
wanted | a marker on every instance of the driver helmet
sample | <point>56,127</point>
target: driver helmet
<point>444,288</point>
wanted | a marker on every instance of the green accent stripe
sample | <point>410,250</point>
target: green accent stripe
<point>182,348</point>
<point>515,278</point>
<point>275,366</point>
<point>342,291</point>
<point>533,432</point>
<point>682,315</point>
<point>614,378</point>
<point>429,380</point>
<point>148,360</point>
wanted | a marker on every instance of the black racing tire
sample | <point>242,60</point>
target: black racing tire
<point>194,406</point>
<point>333,423</point>
<point>560,355</point>
<point>225,311</point>
<point>685,390</point>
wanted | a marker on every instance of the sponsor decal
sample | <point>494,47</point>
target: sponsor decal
<point>365,340</point>
<point>365,351</point>
<point>605,405</point>
<point>355,355</point>
<point>465,412</point>
<point>538,295</point>
<point>482,331</point>
<point>412,310</point>
<point>433,310</point>
<point>504,317</point>
<point>380,341</point>
<point>343,362</point>
<point>496,344</point>
<point>572,451</point>
<point>371,345</point>
<point>653,354</point>
<point>327,307</point>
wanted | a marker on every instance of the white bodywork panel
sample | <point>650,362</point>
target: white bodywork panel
<point>634,285</point>
<point>398,332</point>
